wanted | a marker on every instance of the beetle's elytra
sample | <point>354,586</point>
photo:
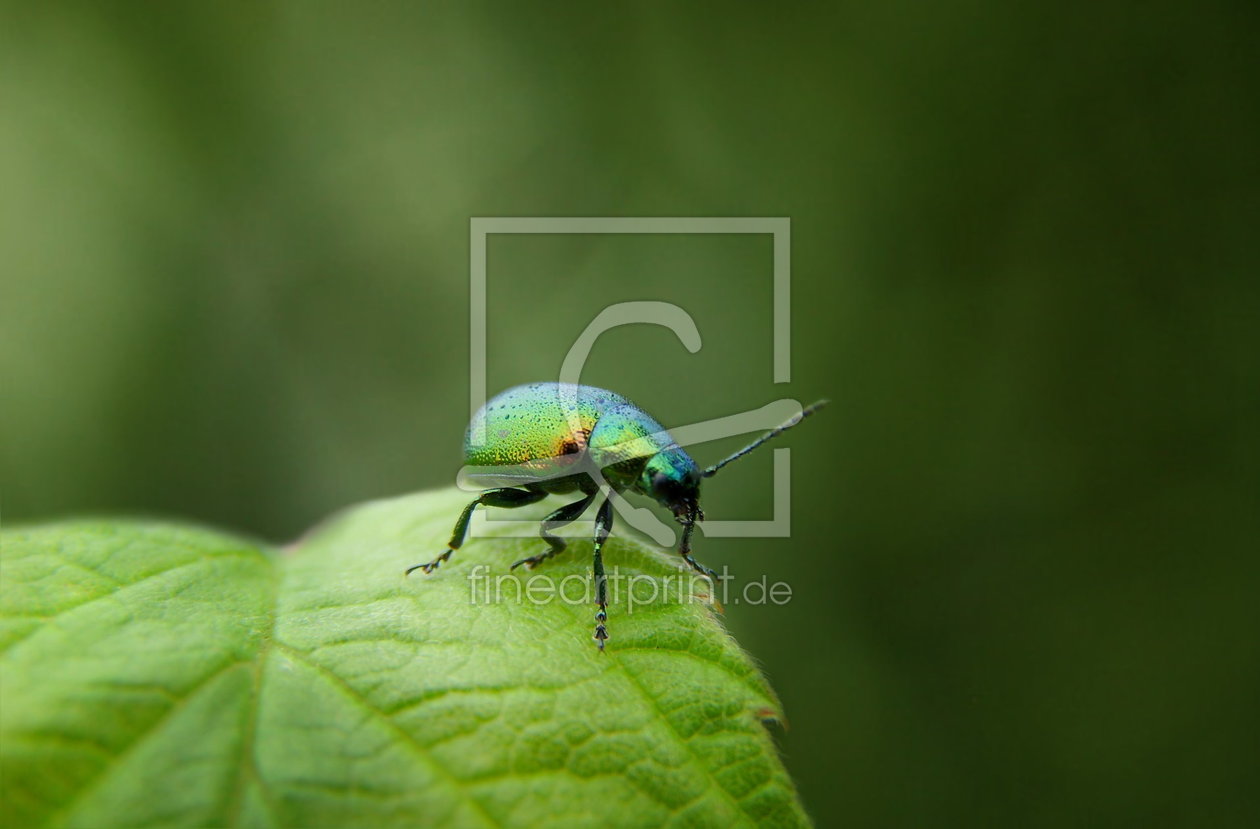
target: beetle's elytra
<point>556,438</point>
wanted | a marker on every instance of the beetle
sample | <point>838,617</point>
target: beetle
<point>544,439</point>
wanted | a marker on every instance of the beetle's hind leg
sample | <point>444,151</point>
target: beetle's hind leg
<point>565,515</point>
<point>506,497</point>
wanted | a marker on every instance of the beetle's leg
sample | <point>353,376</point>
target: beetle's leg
<point>698,567</point>
<point>506,497</point>
<point>603,526</point>
<point>684,546</point>
<point>565,515</point>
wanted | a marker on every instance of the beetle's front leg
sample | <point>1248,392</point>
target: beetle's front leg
<point>684,547</point>
<point>698,567</point>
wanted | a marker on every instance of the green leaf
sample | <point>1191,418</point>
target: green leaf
<point>157,675</point>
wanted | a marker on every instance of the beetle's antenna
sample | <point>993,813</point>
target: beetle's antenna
<point>773,433</point>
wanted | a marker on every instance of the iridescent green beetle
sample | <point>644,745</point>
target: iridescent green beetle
<point>556,438</point>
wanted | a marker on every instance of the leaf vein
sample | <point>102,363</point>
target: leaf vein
<point>418,747</point>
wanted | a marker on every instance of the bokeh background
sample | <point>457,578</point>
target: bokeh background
<point>234,245</point>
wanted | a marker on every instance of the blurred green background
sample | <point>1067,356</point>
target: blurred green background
<point>1024,253</point>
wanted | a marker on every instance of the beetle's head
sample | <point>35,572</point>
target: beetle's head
<point>673,479</point>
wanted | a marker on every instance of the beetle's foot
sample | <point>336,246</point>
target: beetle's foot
<point>432,565</point>
<point>533,561</point>
<point>700,568</point>
<point>601,632</point>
